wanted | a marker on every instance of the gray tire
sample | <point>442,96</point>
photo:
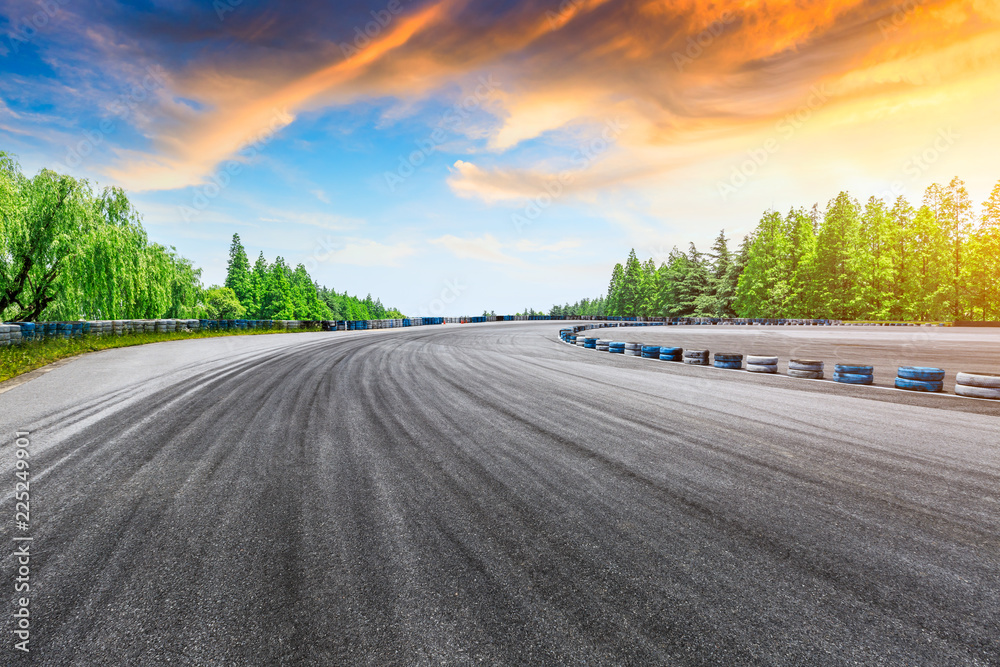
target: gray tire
<point>758,360</point>
<point>762,368</point>
<point>805,375</point>
<point>804,365</point>
<point>977,392</point>
<point>986,380</point>
<point>696,354</point>
<point>696,361</point>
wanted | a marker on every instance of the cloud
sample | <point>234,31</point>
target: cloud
<point>367,253</point>
<point>689,78</point>
<point>321,220</point>
<point>320,195</point>
<point>485,248</point>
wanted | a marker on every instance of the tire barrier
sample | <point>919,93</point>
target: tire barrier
<point>853,374</point>
<point>917,378</point>
<point>671,354</point>
<point>696,357</point>
<point>616,347</point>
<point>633,349</point>
<point>729,360</point>
<point>978,385</point>
<point>590,343</point>
<point>805,369</point>
<point>758,363</point>
<point>4,334</point>
<point>602,345</point>
<point>650,351</point>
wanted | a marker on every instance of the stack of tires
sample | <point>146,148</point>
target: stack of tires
<point>650,351</point>
<point>853,374</point>
<point>161,326</point>
<point>590,343</point>
<point>27,330</point>
<point>616,347</point>
<point>603,345</point>
<point>633,349</point>
<point>16,337</point>
<point>762,363</point>
<point>917,378</point>
<point>696,357</point>
<point>4,335</point>
<point>978,385</point>
<point>671,353</point>
<point>581,341</point>
<point>729,360</point>
<point>805,369</point>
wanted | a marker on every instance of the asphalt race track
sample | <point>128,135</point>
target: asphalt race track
<point>488,494</point>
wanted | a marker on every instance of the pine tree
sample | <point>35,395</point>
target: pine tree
<point>984,275</point>
<point>763,287</point>
<point>873,262</point>
<point>238,274</point>
<point>835,247</point>
<point>721,290</point>
<point>632,285</point>
<point>615,303</point>
<point>903,297</point>
<point>800,228</point>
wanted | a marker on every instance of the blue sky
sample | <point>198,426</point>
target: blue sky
<point>502,154</point>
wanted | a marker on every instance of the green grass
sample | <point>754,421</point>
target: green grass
<point>18,359</point>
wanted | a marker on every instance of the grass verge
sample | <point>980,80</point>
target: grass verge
<point>19,359</point>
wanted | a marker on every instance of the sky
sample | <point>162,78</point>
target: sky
<point>453,156</point>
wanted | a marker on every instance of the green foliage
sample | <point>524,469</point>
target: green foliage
<point>67,253</point>
<point>221,304</point>
<point>876,262</point>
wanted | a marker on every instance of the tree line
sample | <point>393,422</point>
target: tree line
<point>275,291</point>
<point>871,261</point>
<point>70,252</point>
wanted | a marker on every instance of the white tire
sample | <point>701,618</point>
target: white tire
<point>805,375</point>
<point>988,380</point>
<point>757,360</point>
<point>977,392</point>
<point>762,368</point>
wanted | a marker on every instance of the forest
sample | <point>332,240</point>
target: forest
<point>275,291</point>
<point>70,252</point>
<point>939,261</point>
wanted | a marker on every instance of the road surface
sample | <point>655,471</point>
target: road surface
<point>488,494</point>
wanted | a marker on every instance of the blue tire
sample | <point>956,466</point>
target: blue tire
<point>920,373</point>
<point>853,378</point>
<point>729,357</point>
<point>670,357</point>
<point>853,369</point>
<point>919,385</point>
<point>616,350</point>
<point>732,365</point>
<point>672,351</point>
